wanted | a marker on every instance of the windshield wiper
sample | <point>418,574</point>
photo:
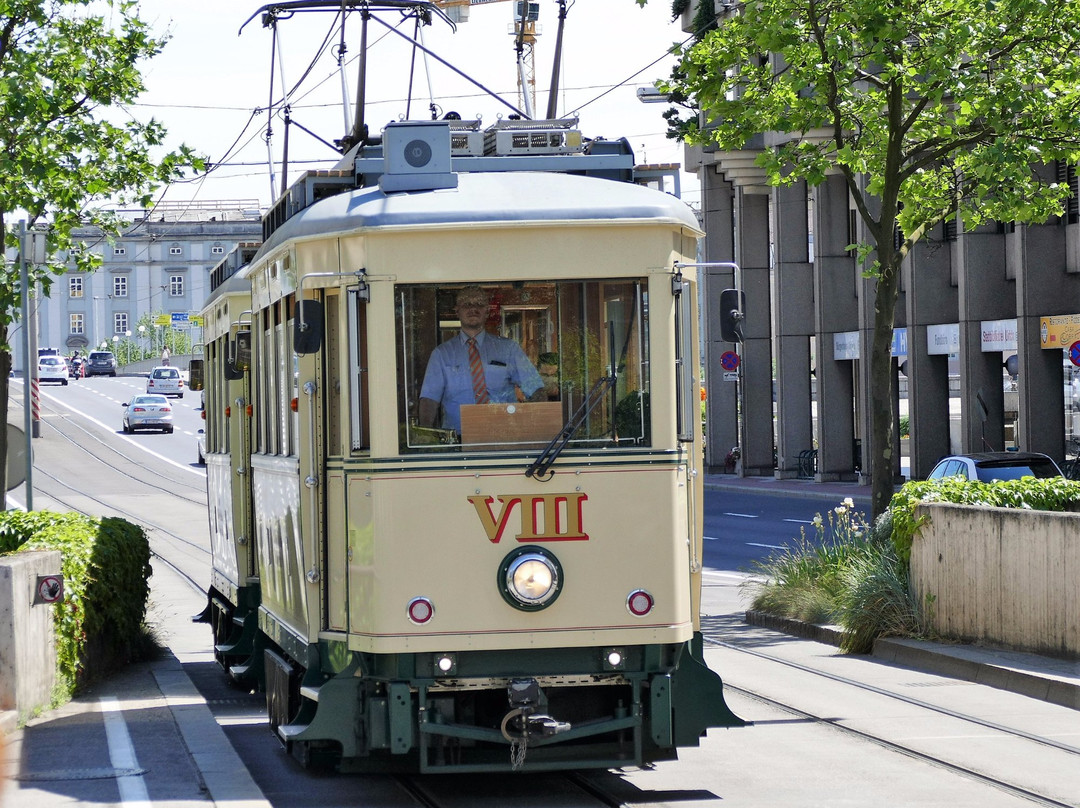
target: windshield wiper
<point>539,467</point>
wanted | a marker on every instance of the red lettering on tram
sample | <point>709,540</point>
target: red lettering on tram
<point>548,517</point>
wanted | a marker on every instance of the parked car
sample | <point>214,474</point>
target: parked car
<point>990,466</point>
<point>52,369</point>
<point>165,380</point>
<point>147,412</point>
<point>101,363</point>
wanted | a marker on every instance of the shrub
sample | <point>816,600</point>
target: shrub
<point>106,567</point>
<point>1041,494</point>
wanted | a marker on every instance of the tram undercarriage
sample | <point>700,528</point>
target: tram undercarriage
<point>621,707</point>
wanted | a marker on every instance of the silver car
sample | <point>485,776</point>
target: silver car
<point>165,380</point>
<point>990,466</point>
<point>148,412</point>
<point>52,369</point>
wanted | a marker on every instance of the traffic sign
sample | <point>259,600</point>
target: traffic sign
<point>50,588</point>
<point>729,360</point>
<point>1074,353</point>
<point>179,317</point>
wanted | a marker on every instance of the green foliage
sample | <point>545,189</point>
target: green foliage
<point>1040,494</point>
<point>932,111</point>
<point>849,575</point>
<point>106,567</point>
<point>68,68</point>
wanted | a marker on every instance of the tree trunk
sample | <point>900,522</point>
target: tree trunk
<point>881,390</point>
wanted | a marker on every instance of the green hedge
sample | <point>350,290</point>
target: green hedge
<point>1039,494</point>
<point>106,568</point>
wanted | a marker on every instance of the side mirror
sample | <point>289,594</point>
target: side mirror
<point>307,326</point>
<point>195,375</point>
<point>242,357</point>
<point>732,303</point>
<point>230,369</point>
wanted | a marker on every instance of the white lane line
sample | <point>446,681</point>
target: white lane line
<point>126,438</point>
<point>800,521</point>
<point>768,546</point>
<point>742,515</point>
<point>122,753</point>
<point>738,576</point>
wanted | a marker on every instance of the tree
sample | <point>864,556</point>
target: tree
<point>67,68</point>
<point>931,109</point>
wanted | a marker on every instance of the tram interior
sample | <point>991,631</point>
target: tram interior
<point>573,333</point>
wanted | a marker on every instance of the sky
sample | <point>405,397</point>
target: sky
<point>210,86</point>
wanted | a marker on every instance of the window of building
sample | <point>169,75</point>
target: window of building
<point>119,251</point>
<point>75,286</point>
<point>120,286</point>
<point>547,350</point>
<point>120,322</point>
<point>76,323</point>
<point>217,249</point>
<point>175,250</point>
<point>176,286</point>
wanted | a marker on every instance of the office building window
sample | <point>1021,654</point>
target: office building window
<point>120,286</point>
<point>174,250</point>
<point>176,286</point>
<point>217,249</point>
<point>120,322</point>
<point>75,286</point>
<point>75,323</point>
<point>119,251</point>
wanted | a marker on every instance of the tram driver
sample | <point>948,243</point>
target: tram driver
<point>474,367</point>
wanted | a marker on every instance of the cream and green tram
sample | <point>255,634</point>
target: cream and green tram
<point>513,588</point>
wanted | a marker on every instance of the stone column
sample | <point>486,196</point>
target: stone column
<point>793,325</point>
<point>752,256</point>
<point>835,311</point>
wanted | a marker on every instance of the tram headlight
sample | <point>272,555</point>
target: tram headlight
<point>530,578</point>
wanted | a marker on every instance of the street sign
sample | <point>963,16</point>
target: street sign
<point>179,318</point>
<point>730,376</point>
<point>162,319</point>
<point>729,360</point>
<point>50,588</point>
<point>1074,353</point>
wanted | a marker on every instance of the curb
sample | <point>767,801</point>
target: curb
<point>1052,681</point>
<point>955,662</point>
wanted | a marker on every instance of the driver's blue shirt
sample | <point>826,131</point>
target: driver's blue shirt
<point>448,379</point>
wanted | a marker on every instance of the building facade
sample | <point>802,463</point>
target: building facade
<point>159,267</point>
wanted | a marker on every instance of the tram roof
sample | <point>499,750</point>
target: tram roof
<point>487,198</point>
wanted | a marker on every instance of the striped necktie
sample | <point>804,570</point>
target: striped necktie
<point>476,370</point>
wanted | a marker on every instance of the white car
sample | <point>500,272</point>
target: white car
<point>165,381</point>
<point>52,369</point>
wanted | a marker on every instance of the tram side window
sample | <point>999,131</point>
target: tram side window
<point>544,352</point>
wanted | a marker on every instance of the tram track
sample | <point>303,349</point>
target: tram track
<point>844,725</point>
<point>73,495</point>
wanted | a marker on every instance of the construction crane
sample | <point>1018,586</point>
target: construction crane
<point>526,14</point>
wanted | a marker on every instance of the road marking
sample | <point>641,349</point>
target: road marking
<point>768,546</point>
<point>738,576</point>
<point>800,521</point>
<point>742,515</point>
<point>122,753</point>
<point>126,438</point>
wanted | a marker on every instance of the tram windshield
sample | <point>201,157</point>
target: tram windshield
<point>503,366</point>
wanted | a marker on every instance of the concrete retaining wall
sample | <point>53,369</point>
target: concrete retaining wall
<point>27,639</point>
<point>1001,576</point>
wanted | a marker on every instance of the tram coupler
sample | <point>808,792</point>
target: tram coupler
<point>524,696</point>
